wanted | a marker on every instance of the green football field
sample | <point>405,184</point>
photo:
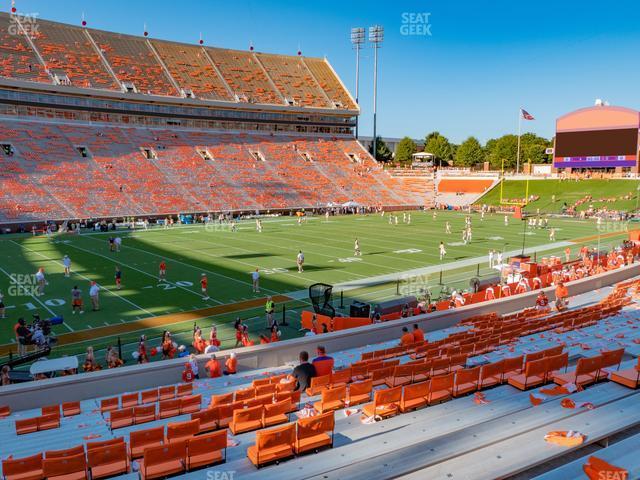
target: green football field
<point>569,191</point>
<point>228,258</point>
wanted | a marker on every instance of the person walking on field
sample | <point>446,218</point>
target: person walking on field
<point>443,252</point>
<point>255,277</point>
<point>300,261</point>
<point>162,273</point>
<point>94,294</point>
<point>66,262</point>
<point>204,283</point>
<point>356,249</point>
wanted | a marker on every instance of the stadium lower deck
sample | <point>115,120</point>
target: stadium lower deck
<point>500,436</point>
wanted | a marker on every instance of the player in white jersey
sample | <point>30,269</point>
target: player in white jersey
<point>447,228</point>
<point>442,252</point>
<point>66,262</point>
<point>356,249</point>
<point>506,220</point>
<point>552,235</point>
<point>300,261</point>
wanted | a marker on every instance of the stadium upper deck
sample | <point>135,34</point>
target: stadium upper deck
<point>48,53</point>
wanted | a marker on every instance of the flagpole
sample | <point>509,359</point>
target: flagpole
<point>519,131</point>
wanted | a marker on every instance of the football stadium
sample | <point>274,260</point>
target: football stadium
<point>207,271</point>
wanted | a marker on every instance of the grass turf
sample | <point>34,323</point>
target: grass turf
<point>228,258</point>
<point>566,191</point>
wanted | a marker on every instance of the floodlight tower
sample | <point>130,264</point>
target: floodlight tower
<point>357,40</point>
<point>376,36</point>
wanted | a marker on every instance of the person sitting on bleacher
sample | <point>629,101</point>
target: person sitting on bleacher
<point>304,372</point>
<point>418,334</point>
<point>322,363</point>
<point>407,338</point>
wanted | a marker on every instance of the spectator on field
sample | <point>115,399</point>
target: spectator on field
<point>304,372</point>
<point>112,358</point>
<point>213,367</point>
<point>90,364</point>
<point>94,294</point>
<point>323,363</point>
<point>418,334</point>
<point>407,338</point>
<point>231,365</point>
<point>23,336</point>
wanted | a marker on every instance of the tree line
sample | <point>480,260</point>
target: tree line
<point>471,153</point>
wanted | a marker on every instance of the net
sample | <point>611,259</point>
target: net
<point>320,296</point>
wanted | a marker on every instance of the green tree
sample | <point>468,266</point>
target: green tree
<point>503,148</point>
<point>405,149</point>
<point>532,148</point>
<point>439,146</point>
<point>469,153</point>
<point>383,153</point>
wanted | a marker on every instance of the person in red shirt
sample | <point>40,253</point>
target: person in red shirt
<point>407,338</point>
<point>418,334</point>
<point>187,373</point>
<point>204,283</point>
<point>239,328</point>
<point>213,367</point>
<point>567,254</point>
<point>274,334</point>
<point>246,341</point>
<point>562,296</point>
<point>542,301</point>
<point>142,350</point>
<point>263,339</point>
<point>198,342</point>
<point>231,365</point>
<point>213,337</point>
<point>162,273</point>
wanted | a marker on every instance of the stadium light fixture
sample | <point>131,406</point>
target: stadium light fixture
<point>376,36</point>
<point>357,40</point>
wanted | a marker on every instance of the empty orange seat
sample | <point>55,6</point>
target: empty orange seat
<point>340,377</point>
<point>104,443</point>
<point>466,381</point>
<point>46,422</point>
<point>141,439</point>
<point>222,399</point>
<point>65,452</point>
<point>190,404</point>
<point>314,433</point>
<point>167,393</point>
<point>265,389</point>
<point>70,409</point>
<point>169,408</point>
<point>359,392</point>
<point>129,400</point>
<point>272,445</point>
<point>66,468</point>
<point>208,419</point>
<point>184,390</point>
<point>51,410</point>
<point>414,396</point>
<point>245,394</point>
<point>163,460</point>
<point>491,374</point>
<point>149,396</point>
<point>511,366</point>
<point>385,403</point>
<point>246,420</point>
<point>108,460</point>
<point>26,425</point>
<point>225,413</point>
<point>401,375</point>
<point>27,468</point>
<point>144,413</point>
<point>331,399</point>
<point>440,388</point>
<point>317,384</point>
<point>206,449</point>
<point>585,373</point>
<point>182,430</point>
<point>109,404</point>
<point>275,413</point>
<point>5,411</point>
<point>629,377</point>
<point>120,418</point>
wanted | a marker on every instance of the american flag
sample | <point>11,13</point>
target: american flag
<point>526,115</point>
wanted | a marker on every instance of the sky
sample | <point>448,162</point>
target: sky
<point>459,67</point>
